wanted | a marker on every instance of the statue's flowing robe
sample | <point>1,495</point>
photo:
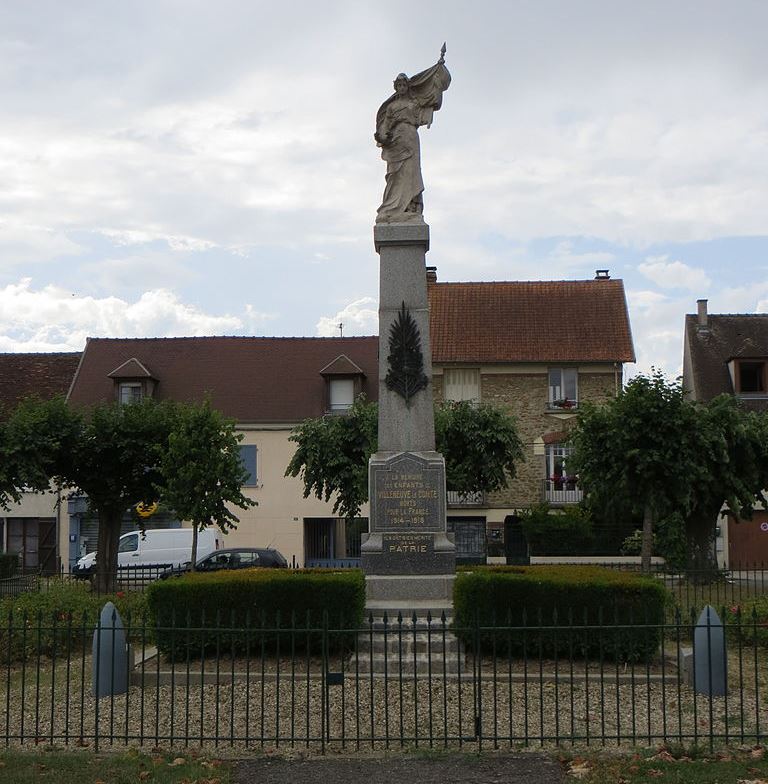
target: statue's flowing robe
<point>397,120</point>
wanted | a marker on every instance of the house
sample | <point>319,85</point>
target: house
<point>727,353</point>
<point>539,349</point>
<point>268,385</point>
<point>30,527</point>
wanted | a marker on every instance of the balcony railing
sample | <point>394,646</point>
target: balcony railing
<point>466,499</point>
<point>558,492</point>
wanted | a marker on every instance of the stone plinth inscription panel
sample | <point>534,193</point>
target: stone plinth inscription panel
<point>407,495</point>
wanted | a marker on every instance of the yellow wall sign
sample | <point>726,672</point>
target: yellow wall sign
<point>146,510</point>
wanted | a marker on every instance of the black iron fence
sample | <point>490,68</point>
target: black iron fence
<point>397,682</point>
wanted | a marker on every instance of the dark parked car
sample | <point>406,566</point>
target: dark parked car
<point>234,558</point>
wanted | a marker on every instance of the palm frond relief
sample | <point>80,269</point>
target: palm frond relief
<point>406,374</point>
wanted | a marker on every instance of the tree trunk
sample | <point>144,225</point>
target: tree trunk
<point>700,535</point>
<point>194,546</point>
<point>107,544</point>
<point>646,548</point>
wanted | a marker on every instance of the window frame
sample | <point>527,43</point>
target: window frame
<point>341,408</point>
<point>552,400</point>
<point>133,385</point>
<point>253,475</point>
<point>450,384</point>
<point>762,364</point>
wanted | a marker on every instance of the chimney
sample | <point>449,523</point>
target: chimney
<point>703,321</point>
<point>602,275</point>
<point>431,275</point>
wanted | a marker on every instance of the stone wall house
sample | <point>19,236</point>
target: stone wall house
<point>539,349</point>
<point>31,528</point>
<point>727,353</point>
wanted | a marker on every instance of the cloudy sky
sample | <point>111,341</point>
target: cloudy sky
<point>179,167</point>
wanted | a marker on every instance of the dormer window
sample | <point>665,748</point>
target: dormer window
<point>341,394</point>
<point>133,382</point>
<point>130,392</point>
<point>751,377</point>
<point>343,383</point>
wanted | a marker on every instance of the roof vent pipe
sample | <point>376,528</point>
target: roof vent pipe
<point>703,321</point>
<point>602,275</point>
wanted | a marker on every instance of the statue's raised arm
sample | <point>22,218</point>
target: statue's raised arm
<point>413,103</point>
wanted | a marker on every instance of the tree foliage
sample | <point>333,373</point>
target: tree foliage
<point>332,456</point>
<point>480,445</point>
<point>651,453</point>
<point>117,455</point>
<point>201,471</point>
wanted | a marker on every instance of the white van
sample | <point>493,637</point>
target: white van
<point>166,547</point>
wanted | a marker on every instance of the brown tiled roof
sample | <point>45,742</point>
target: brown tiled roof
<point>530,321</point>
<point>727,336</point>
<point>249,379</point>
<point>44,375</point>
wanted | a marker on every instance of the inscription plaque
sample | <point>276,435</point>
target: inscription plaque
<point>406,496</point>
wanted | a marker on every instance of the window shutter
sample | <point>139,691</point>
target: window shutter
<point>248,459</point>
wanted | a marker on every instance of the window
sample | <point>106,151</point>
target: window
<point>461,384</point>
<point>248,459</point>
<point>341,394</point>
<point>563,388</point>
<point>752,378</point>
<point>130,393</point>
<point>129,544</point>
<point>557,465</point>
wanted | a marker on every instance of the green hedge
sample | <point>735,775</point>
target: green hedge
<point>9,563</point>
<point>61,615</point>
<point>492,604</point>
<point>558,533</point>
<point>189,611</point>
<point>750,618</point>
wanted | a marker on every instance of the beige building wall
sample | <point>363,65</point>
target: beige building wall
<point>278,520</point>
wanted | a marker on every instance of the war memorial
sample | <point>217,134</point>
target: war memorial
<point>408,557</point>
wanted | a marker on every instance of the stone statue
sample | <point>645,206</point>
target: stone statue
<point>413,104</point>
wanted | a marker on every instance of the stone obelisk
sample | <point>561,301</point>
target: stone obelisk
<point>408,558</point>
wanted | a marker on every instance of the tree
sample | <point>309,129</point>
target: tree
<point>201,470</point>
<point>35,441</point>
<point>332,456</point>
<point>638,452</point>
<point>480,445</point>
<point>651,453</point>
<point>118,456</point>
<point>733,453</point>
<point>115,460</point>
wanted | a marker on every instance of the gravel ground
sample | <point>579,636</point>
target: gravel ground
<point>440,769</point>
<point>363,714</point>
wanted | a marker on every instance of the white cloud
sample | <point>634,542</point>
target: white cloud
<point>674,274</point>
<point>360,317</point>
<point>53,318</point>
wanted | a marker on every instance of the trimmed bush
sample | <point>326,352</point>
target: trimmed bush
<point>503,609</point>
<point>558,533</point>
<point>189,612</point>
<point>9,563</point>
<point>750,618</point>
<point>39,621</point>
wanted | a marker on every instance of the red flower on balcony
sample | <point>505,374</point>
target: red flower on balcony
<point>564,403</point>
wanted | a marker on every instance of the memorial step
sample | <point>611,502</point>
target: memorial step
<point>421,664</point>
<point>408,643</point>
